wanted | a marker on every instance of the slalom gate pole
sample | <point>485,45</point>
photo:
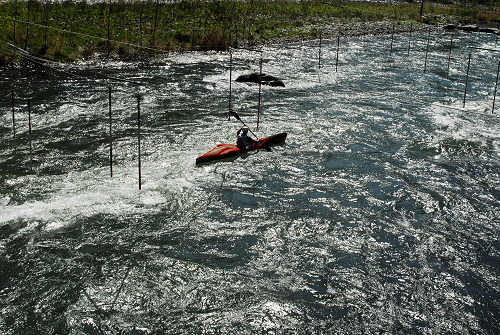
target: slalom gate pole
<point>449,56</point>
<point>13,114</point>
<point>466,79</point>
<point>337,59</point>
<point>230,85</point>
<point>260,92</point>
<point>110,134</point>
<point>29,132</point>
<point>409,39</point>
<point>427,51</point>
<point>319,53</point>
<point>495,93</point>
<point>139,137</point>
<point>392,38</point>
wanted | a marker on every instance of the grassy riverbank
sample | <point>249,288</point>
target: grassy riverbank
<point>76,30</point>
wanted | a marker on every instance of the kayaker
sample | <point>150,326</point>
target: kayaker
<point>243,141</point>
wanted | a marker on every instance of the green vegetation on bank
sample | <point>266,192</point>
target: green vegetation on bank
<point>196,25</point>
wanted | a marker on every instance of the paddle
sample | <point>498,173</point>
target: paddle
<point>238,118</point>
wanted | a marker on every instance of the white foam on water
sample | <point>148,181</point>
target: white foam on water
<point>92,192</point>
<point>474,122</point>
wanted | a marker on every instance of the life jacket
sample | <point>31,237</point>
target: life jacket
<point>244,142</point>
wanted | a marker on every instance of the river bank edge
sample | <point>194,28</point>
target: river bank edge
<point>323,31</point>
<point>72,46</point>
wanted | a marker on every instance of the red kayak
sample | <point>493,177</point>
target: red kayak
<point>229,152</point>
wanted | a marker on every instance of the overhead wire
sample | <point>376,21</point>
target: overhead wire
<point>86,35</point>
<point>42,62</point>
<point>45,63</point>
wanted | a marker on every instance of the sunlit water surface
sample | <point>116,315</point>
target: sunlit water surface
<point>379,215</point>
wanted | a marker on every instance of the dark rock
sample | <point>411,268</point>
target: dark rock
<point>469,28</point>
<point>450,27</point>
<point>488,30</point>
<point>264,79</point>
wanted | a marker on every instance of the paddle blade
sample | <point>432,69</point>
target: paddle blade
<point>235,115</point>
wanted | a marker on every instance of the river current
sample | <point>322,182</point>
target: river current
<point>380,214</point>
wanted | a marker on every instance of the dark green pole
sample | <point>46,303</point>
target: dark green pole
<point>392,38</point>
<point>110,134</point>
<point>409,39</point>
<point>230,84</point>
<point>319,53</point>
<point>337,57</point>
<point>260,92</point>
<point>449,56</point>
<point>13,114</point>
<point>139,137</point>
<point>466,79</point>
<point>495,93</point>
<point>29,130</point>
<point>427,50</point>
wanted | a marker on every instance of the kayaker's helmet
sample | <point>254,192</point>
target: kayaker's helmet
<point>244,131</point>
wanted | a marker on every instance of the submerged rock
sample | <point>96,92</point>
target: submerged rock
<point>472,28</point>
<point>489,30</point>
<point>449,27</point>
<point>264,79</point>
<point>469,28</point>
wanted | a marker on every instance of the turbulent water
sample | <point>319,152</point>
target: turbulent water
<point>379,215</point>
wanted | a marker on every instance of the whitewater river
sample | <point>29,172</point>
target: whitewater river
<point>380,215</point>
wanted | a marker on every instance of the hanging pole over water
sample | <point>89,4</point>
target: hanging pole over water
<point>427,50</point>
<point>392,38</point>
<point>13,114</point>
<point>230,85</point>
<point>466,79</point>
<point>110,134</point>
<point>29,132</point>
<point>139,137</point>
<point>337,59</point>
<point>319,53</point>
<point>260,92</point>
<point>449,56</point>
<point>409,39</point>
<point>495,93</point>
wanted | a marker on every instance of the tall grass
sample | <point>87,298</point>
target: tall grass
<point>192,25</point>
